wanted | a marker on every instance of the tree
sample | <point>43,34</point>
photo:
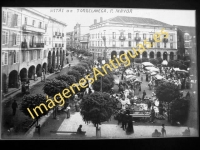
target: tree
<point>85,65</point>
<point>167,92</point>
<point>31,101</point>
<point>69,79</point>
<point>75,73</point>
<point>154,61</point>
<point>97,107</point>
<point>138,60</point>
<point>53,87</point>
<point>80,69</point>
<point>179,110</point>
<point>159,60</point>
<point>145,59</point>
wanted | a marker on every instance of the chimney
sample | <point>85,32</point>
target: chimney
<point>101,19</point>
<point>95,21</point>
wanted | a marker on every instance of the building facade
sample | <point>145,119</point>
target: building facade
<point>84,41</point>
<point>69,40</point>
<point>27,38</point>
<point>120,34</point>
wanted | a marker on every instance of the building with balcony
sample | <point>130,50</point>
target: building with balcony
<point>28,45</point>
<point>69,40</point>
<point>10,48</point>
<point>120,34</point>
<point>84,41</point>
<point>186,39</point>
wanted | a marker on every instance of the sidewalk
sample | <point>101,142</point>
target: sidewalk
<point>14,91</point>
<point>111,131</point>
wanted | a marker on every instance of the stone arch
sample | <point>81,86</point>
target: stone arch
<point>151,54</point>
<point>13,79</point>
<point>158,54</point>
<point>31,72</point>
<point>39,70</point>
<point>44,66</point>
<point>113,53</point>
<point>171,55</point>
<point>165,56</point>
<point>144,54</point>
<point>23,74</point>
<point>120,53</point>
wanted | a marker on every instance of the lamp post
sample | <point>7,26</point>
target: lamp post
<point>102,63</point>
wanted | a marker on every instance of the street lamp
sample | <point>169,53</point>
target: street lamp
<point>102,63</point>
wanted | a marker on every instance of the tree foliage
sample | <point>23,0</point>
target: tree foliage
<point>159,60</point>
<point>69,79</point>
<point>80,69</point>
<point>75,73</point>
<point>179,110</point>
<point>31,101</point>
<point>97,107</point>
<point>138,60</point>
<point>145,59</point>
<point>84,64</point>
<point>154,61</point>
<point>54,86</point>
<point>167,92</point>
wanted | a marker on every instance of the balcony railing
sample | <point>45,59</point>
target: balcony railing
<point>34,45</point>
<point>29,28</point>
<point>165,40</point>
<point>122,38</point>
<point>137,38</point>
<point>151,40</point>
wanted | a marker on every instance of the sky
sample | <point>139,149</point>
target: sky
<point>73,15</point>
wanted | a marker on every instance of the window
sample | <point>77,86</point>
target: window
<point>35,54</point>
<point>14,39</point>
<point>121,33</point>
<point>38,54</point>
<point>33,23</point>
<point>144,36</point>
<point>129,35</point>
<point>151,36</point>
<point>98,43</point>
<point>45,41</point>
<point>4,58</point>
<point>114,43</point>
<point>178,38</point>
<point>101,43</point>
<point>4,18</point>
<point>171,45</point>
<point>40,24</point>
<point>171,37</point>
<point>25,20</point>
<point>98,35</point>
<point>44,54</point>
<point>5,37</point>
<point>129,43</point>
<point>114,35</point>
<point>136,43</point>
<point>122,44</point>
<point>101,35</point>
<point>165,45</point>
<point>49,40</point>
<point>15,20</point>
<point>137,35</point>
<point>158,45</point>
<point>17,57</point>
<point>29,55</point>
<point>55,44</point>
<point>24,56</point>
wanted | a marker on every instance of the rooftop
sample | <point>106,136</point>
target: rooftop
<point>137,21</point>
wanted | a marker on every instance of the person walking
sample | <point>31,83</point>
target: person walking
<point>144,94</point>
<point>14,107</point>
<point>68,111</point>
<point>129,129</point>
<point>124,121</point>
<point>163,131</point>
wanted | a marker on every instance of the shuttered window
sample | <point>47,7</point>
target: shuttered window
<point>15,20</point>
<point>4,37</point>
<point>4,57</point>
<point>4,17</point>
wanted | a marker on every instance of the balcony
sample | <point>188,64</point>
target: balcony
<point>165,40</point>
<point>122,38</point>
<point>104,38</point>
<point>29,28</point>
<point>137,38</point>
<point>25,45</point>
<point>40,45</point>
<point>151,40</point>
